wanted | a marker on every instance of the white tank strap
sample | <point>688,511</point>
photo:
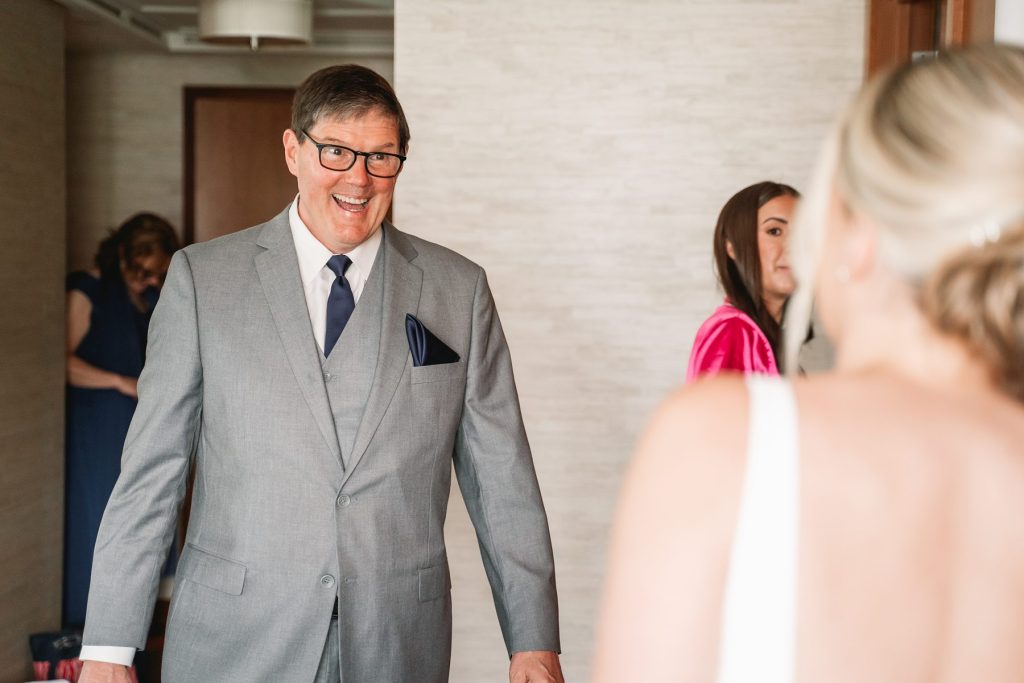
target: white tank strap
<point>759,610</point>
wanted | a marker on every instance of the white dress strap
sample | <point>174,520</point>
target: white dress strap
<point>759,610</point>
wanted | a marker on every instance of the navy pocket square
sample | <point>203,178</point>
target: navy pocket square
<point>426,349</point>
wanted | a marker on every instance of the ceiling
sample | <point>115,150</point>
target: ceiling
<point>342,27</point>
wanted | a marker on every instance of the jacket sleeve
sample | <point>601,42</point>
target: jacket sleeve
<point>140,518</point>
<point>495,471</point>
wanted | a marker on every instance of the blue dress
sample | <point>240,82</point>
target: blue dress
<point>96,426</point>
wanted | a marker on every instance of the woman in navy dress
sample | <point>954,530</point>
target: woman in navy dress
<point>108,313</point>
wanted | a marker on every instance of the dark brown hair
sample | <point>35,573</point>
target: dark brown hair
<point>740,277</point>
<point>139,236</point>
<point>343,92</point>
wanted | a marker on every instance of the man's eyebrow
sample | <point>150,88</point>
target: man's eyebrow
<point>340,143</point>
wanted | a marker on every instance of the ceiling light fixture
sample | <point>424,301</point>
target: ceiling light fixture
<point>256,22</point>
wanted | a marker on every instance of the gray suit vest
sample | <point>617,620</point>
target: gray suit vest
<point>349,371</point>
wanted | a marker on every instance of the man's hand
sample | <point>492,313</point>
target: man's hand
<point>104,672</point>
<point>535,666</point>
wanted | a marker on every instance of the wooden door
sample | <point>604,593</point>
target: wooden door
<point>235,172</point>
<point>899,30</point>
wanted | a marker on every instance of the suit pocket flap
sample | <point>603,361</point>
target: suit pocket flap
<point>212,571</point>
<point>433,582</point>
<point>437,373</point>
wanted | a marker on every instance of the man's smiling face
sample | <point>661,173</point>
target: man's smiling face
<point>343,208</point>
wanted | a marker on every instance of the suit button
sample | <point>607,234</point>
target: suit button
<point>327,580</point>
<point>344,500</point>
<point>327,376</point>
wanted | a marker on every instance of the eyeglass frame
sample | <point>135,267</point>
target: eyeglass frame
<point>355,157</point>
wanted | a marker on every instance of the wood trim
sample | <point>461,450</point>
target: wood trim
<point>885,35</point>
<point>193,94</point>
<point>970,21</point>
<point>897,29</point>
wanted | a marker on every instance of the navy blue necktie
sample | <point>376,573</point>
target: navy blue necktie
<point>340,302</point>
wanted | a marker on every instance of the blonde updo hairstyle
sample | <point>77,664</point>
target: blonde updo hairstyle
<point>933,153</point>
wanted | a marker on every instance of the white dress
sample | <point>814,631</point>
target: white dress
<point>759,609</point>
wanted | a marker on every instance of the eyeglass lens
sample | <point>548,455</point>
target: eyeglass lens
<point>342,159</point>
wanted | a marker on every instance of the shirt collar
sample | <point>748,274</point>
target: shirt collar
<point>313,255</point>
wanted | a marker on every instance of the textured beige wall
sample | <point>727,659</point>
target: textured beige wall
<point>126,130</point>
<point>580,151</point>
<point>31,326</point>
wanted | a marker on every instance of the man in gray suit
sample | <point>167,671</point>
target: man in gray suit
<point>326,370</point>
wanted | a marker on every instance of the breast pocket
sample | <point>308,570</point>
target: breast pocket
<point>437,373</point>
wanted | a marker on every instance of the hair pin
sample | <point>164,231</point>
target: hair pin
<point>985,233</point>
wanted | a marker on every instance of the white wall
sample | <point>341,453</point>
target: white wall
<point>580,151</point>
<point>1010,21</point>
<point>126,131</point>
<point>31,326</point>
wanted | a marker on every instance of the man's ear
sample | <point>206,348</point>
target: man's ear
<point>291,151</point>
<point>729,250</point>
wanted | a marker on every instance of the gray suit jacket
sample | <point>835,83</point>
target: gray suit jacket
<point>312,483</point>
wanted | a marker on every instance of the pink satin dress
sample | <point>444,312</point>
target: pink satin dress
<point>730,341</point>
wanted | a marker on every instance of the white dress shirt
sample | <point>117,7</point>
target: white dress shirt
<point>317,279</point>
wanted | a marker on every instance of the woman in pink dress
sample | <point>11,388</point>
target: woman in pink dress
<point>743,334</point>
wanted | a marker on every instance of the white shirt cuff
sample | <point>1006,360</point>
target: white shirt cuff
<point>108,653</point>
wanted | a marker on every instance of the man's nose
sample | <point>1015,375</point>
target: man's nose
<point>357,175</point>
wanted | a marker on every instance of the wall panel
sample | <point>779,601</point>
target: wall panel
<point>32,195</point>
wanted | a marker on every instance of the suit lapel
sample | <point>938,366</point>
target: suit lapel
<point>278,270</point>
<point>402,284</point>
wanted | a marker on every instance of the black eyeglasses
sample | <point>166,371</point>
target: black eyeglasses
<point>339,158</point>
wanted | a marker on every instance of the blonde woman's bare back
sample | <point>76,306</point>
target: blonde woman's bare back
<point>911,538</point>
<point>911,562</point>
